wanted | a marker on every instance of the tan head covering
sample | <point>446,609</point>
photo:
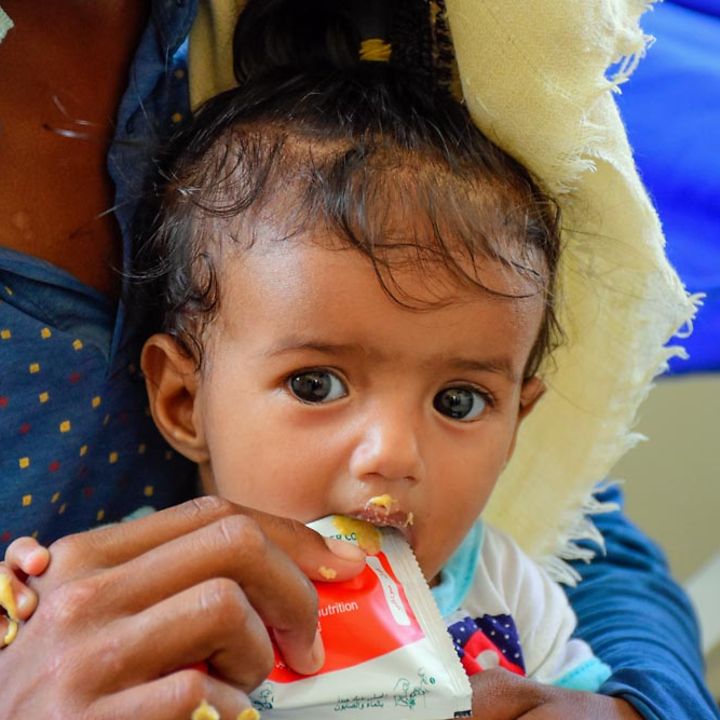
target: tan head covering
<point>535,77</point>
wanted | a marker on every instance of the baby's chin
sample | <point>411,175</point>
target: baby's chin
<point>431,569</point>
<point>433,551</point>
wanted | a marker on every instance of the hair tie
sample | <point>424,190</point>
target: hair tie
<point>375,50</point>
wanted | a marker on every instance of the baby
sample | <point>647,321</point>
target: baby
<point>355,290</point>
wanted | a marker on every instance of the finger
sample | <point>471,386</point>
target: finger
<point>174,697</point>
<point>212,621</point>
<point>502,695</point>
<point>16,599</point>
<point>236,548</point>
<point>119,543</point>
<point>28,555</point>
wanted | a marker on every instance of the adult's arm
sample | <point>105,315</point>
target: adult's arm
<point>640,622</point>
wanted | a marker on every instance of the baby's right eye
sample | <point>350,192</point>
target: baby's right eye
<point>316,386</point>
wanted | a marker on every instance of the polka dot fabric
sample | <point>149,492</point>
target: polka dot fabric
<point>487,642</point>
<point>77,445</point>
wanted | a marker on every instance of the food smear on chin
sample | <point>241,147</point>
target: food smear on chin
<point>7,603</point>
<point>367,535</point>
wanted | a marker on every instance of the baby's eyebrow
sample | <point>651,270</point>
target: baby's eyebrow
<point>295,344</point>
<point>499,365</point>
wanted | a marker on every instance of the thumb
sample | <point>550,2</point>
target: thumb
<point>323,559</point>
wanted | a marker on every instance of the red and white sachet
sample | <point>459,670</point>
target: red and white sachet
<point>388,653</point>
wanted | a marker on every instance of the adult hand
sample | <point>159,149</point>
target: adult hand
<point>125,610</point>
<point>501,695</point>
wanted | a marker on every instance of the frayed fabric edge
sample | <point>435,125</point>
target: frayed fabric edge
<point>629,52</point>
<point>635,46</point>
<point>580,527</point>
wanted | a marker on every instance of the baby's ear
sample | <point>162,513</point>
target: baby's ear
<point>171,379</point>
<point>533,389</point>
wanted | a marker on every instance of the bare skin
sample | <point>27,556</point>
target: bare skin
<point>501,695</point>
<point>53,189</point>
<point>126,609</point>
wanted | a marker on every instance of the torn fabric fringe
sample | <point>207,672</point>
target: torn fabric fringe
<point>538,78</point>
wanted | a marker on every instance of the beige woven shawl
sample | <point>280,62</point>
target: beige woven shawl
<point>534,74</point>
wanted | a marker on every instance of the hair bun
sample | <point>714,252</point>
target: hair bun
<point>293,35</point>
<point>281,37</point>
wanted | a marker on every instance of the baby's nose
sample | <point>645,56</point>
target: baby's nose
<point>389,448</point>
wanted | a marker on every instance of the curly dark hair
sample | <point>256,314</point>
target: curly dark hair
<point>314,138</point>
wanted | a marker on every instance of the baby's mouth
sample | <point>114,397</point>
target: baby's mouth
<point>383,511</point>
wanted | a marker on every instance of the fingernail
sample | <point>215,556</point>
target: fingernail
<point>317,652</point>
<point>37,561</point>
<point>345,550</point>
<point>23,601</point>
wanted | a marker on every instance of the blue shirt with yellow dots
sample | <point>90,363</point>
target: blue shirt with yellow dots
<point>78,447</point>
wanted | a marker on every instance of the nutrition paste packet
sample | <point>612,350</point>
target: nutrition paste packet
<point>388,652</point>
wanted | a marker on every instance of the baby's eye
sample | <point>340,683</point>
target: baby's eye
<point>317,386</point>
<point>461,403</point>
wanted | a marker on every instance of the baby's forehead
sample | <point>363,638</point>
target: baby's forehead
<point>321,269</point>
<point>408,245</point>
<point>301,296</point>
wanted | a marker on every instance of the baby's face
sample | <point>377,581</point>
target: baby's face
<point>319,392</point>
